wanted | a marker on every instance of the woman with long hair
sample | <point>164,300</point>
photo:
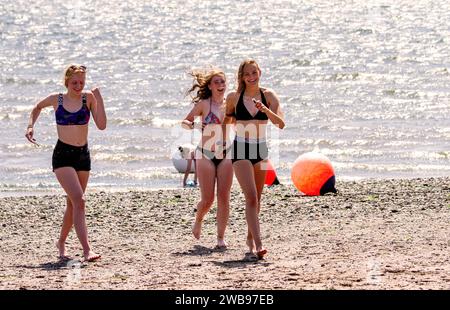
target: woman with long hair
<point>250,108</point>
<point>213,168</point>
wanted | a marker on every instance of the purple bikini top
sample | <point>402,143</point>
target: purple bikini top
<point>64,117</point>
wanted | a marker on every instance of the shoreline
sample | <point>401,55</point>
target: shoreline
<point>373,234</point>
<point>93,188</point>
<point>90,190</point>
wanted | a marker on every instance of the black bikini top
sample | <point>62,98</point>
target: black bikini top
<point>241,113</point>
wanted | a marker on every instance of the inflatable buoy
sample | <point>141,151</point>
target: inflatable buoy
<point>313,174</point>
<point>271,175</point>
<point>179,162</point>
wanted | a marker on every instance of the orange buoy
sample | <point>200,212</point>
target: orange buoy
<point>271,175</point>
<point>313,174</point>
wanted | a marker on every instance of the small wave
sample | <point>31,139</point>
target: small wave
<point>338,77</point>
<point>124,121</point>
<point>26,147</point>
<point>389,169</point>
<point>164,122</point>
<point>11,117</point>
<point>403,94</point>
<point>24,187</point>
<point>439,71</point>
<point>123,158</point>
<point>24,81</point>
<point>364,31</point>
<point>160,173</point>
<point>301,62</point>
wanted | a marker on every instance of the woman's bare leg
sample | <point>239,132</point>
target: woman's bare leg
<point>224,181</point>
<point>260,178</point>
<point>83,177</point>
<point>70,182</point>
<point>206,177</point>
<point>243,169</point>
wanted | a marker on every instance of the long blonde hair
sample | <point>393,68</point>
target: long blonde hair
<point>71,70</point>
<point>202,78</point>
<point>240,73</point>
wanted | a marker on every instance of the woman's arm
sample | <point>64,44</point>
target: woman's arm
<point>230,106</point>
<point>188,121</point>
<point>97,108</point>
<point>49,101</point>
<point>229,119</point>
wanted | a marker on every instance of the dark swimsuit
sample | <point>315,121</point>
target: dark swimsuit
<point>211,118</point>
<point>66,155</point>
<point>242,148</point>
<point>64,117</point>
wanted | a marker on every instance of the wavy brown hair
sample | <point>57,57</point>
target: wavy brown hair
<point>202,78</point>
<point>240,73</point>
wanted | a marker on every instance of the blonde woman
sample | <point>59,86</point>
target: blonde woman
<point>250,108</point>
<point>214,170</point>
<point>71,159</point>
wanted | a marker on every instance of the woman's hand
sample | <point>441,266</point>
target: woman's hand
<point>98,109</point>
<point>96,92</point>
<point>29,135</point>
<point>260,106</point>
<point>199,126</point>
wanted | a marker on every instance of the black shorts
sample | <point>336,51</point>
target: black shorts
<point>253,152</point>
<point>66,155</point>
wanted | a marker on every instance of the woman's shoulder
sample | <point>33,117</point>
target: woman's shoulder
<point>198,107</point>
<point>53,98</point>
<point>50,100</point>
<point>89,95</point>
<point>267,91</point>
<point>90,98</point>
<point>234,95</point>
<point>201,103</point>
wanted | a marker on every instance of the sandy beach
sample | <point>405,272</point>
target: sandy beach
<point>374,234</point>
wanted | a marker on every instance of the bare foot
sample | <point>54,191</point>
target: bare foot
<point>221,244</point>
<point>197,229</point>
<point>260,253</point>
<point>91,256</point>
<point>62,250</point>
<point>251,245</point>
<point>250,257</point>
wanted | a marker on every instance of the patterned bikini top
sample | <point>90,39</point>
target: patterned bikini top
<point>211,118</point>
<point>64,117</point>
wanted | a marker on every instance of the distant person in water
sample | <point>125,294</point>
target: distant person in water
<point>71,159</point>
<point>213,168</point>
<point>189,155</point>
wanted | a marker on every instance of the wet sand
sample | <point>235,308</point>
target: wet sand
<point>374,234</point>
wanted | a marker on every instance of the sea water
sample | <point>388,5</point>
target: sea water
<point>366,84</point>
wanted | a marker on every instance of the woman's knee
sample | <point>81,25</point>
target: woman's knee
<point>252,200</point>
<point>68,202</point>
<point>77,200</point>
<point>223,197</point>
<point>207,201</point>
